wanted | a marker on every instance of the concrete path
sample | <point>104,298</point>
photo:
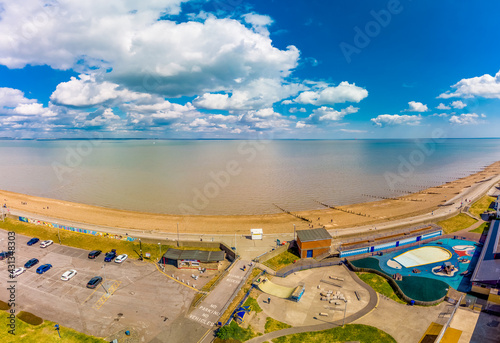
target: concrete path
<point>208,312</point>
<point>372,304</point>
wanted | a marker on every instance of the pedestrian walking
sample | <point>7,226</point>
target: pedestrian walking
<point>268,300</point>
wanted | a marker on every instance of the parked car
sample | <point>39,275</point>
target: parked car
<point>68,275</point>
<point>121,258</point>
<point>30,263</point>
<point>18,271</point>
<point>94,253</point>
<point>110,256</point>
<point>45,244</point>
<point>33,241</point>
<point>94,282</point>
<point>5,254</point>
<point>43,268</point>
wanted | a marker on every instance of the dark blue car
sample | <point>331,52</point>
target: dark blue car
<point>110,256</point>
<point>30,263</point>
<point>43,268</point>
<point>33,241</point>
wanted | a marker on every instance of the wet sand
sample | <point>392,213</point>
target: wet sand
<point>369,213</point>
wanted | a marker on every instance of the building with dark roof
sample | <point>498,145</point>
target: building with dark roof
<point>314,242</point>
<point>193,258</point>
<point>487,272</point>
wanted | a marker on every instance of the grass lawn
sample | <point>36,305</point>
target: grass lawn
<point>482,205</point>
<point>254,305</point>
<point>380,285</point>
<point>459,222</point>
<point>88,242</point>
<point>483,228</point>
<point>282,260</point>
<point>351,332</point>
<point>275,325</point>
<point>43,333</point>
<point>235,333</point>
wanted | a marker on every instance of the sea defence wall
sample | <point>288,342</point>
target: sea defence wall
<point>385,243</point>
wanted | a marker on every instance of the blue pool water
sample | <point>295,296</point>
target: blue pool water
<point>459,249</point>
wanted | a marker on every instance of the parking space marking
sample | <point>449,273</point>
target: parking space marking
<point>182,283</point>
<point>106,296</point>
<point>91,294</point>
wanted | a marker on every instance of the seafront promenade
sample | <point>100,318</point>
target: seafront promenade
<point>248,248</point>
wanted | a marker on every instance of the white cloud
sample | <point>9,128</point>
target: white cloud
<point>442,106</point>
<point>465,119</point>
<point>302,125</point>
<point>295,110</point>
<point>485,86</point>
<point>344,92</point>
<point>458,104</point>
<point>327,113</point>
<point>259,93</point>
<point>10,97</point>
<point>416,106</point>
<point>440,115</point>
<point>259,22</point>
<point>143,54</point>
<point>396,119</point>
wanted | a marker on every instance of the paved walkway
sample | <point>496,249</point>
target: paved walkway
<point>326,325</point>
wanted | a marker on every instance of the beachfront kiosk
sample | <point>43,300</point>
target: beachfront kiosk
<point>314,242</point>
<point>256,233</point>
<point>193,259</point>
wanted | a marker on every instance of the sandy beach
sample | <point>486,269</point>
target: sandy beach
<point>369,213</point>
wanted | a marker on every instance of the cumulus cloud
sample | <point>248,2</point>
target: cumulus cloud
<point>330,95</point>
<point>416,106</point>
<point>327,113</point>
<point>14,103</point>
<point>295,110</point>
<point>458,104</point>
<point>143,54</point>
<point>442,106</point>
<point>260,93</point>
<point>485,86</point>
<point>440,115</point>
<point>396,119</point>
<point>466,119</point>
<point>259,22</point>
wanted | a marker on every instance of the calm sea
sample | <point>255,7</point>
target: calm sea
<point>235,177</point>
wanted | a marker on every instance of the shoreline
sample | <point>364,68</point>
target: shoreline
<point>341,218</point>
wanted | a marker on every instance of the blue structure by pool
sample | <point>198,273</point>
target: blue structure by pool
<point>427,260</point>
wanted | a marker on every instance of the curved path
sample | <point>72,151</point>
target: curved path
<point>372,303</point>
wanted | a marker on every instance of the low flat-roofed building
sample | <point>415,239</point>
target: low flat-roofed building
<point>193,259</point>
<point>314,242</point>
<point>487,272</point>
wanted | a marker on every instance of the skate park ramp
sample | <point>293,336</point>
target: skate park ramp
<point>271,288</point>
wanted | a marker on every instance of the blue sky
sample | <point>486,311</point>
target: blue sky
<point>249,69</point>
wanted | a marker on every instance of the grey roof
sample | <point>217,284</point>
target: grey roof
<point>488,269</point>
<point>313,235</point>
<point>202,256</point>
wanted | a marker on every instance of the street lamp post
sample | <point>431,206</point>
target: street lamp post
<point>159,244</point>
<point>140,248</point>
<point>178,239</point>
<point>104,280</point>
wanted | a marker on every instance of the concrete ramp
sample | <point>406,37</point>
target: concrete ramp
<point>268,287</point>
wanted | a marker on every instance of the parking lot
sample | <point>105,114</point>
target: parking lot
<point>139,297</point>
